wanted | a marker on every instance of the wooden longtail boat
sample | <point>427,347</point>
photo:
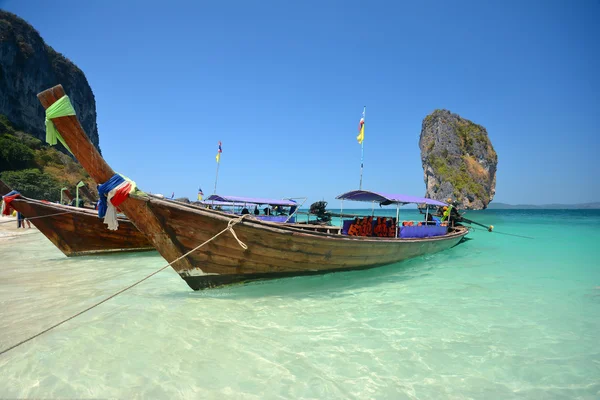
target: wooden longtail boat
<point>78,231</point>
<point>274,250</point>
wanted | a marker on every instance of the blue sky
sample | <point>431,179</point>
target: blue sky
<point>282,84</point>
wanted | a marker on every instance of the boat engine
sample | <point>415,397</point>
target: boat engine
<point>319,209</point>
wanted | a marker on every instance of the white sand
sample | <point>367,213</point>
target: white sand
<point>8,228</point>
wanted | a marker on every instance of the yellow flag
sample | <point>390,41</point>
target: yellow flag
<point>361,130</point>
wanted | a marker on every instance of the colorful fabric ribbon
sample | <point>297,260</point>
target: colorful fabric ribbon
<point>112,193</point>
<point>61,108</point>
<point>7,200</point>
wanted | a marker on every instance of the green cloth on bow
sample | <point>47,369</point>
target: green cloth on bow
<point>61,108</point>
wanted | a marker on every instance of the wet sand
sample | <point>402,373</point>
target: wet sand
<point>8,228</point>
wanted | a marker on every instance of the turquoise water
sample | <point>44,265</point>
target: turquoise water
<point>496,317</point>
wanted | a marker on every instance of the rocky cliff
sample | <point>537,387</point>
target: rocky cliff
<point>459,161</point>
<point>28,66</point>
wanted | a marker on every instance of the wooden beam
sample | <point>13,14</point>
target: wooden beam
<point>91,160</point>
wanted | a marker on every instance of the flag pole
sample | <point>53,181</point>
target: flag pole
<point>362,153</point>
<point>219,151</point>
<point>217,177</point>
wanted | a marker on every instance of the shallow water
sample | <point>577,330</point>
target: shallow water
<point>496,317</point>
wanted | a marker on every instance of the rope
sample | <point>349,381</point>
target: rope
<point>229,227</point>
<point>41,216</point>
<point>502,233</point>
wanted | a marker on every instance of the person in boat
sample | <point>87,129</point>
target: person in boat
<point>245,211</point>
<point>267,211</point>
<point>392,228</point>
<point>256,212</point>
<point>74,203</point>
<point>429,219</point>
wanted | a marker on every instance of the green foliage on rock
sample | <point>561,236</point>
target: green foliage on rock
<point>33,183</point>
<point>34,168</point>
<point>460,178</point>
<point>14,155</point>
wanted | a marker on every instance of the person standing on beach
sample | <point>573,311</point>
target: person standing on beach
<point>21,221</point>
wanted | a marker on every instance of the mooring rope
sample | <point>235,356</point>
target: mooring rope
<point>502,233</point>
<point>229,227</point>
<point>40,216</point>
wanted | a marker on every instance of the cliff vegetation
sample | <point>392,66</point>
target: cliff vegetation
<point>34,168</point>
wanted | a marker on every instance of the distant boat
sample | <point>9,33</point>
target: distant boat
<point>277,210</point>
<point>78,231</point>
<point>274,250</point>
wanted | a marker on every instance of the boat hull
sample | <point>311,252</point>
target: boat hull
<point>79,231</point>
<point>275,251</point>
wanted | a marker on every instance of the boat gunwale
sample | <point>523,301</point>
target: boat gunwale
<point>71,209</point>
<point>291,230</point>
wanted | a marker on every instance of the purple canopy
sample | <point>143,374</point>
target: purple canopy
<point>366,195</point>
<point>251,200</point>
<point>214,203</point>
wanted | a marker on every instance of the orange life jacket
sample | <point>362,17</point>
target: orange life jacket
<point>363,226</point>
<point>354,229</point>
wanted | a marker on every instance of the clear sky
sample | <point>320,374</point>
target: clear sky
<point>283,83</point>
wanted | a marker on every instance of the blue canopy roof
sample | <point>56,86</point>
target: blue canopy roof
<point>250,200</point>
<point>367,195</point>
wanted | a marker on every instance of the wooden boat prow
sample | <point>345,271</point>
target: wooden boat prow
<point>78,231</point>
<point>273,250</point>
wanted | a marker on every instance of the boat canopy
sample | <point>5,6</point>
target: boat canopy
<point>214,203</point>
<point>387,198</point>
<point>250,200</point>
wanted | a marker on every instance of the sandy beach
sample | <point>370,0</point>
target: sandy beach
<point>8,228</point>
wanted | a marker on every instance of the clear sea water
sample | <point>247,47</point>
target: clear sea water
<point>496,317</point>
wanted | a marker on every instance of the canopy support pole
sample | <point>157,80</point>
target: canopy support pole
<point>297,206</point>
<point>342,214</point>
<point>397,218</point>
